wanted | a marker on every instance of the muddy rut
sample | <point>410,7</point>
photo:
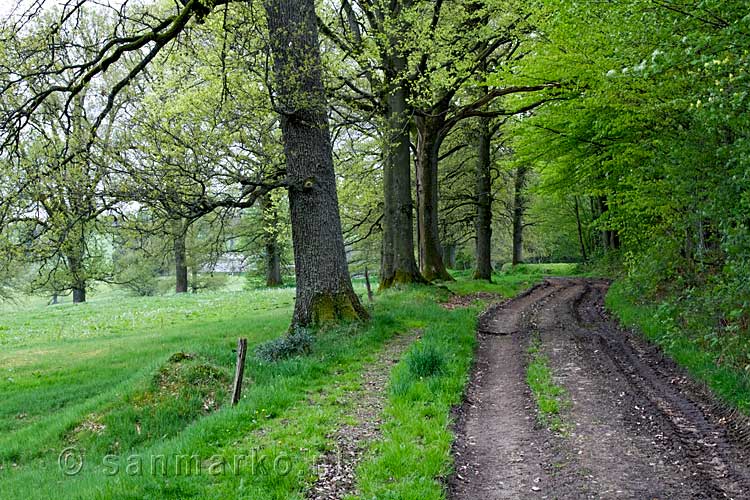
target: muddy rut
<point>635,426</point>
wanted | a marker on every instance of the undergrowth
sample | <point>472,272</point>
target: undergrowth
<point>689,333</point>
<point>297,343</point>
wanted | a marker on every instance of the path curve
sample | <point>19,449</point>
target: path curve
<point>637,426</point>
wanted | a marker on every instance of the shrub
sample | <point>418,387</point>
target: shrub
<point>297,343</point>
<point>207,281</point>
<point>138,274</point>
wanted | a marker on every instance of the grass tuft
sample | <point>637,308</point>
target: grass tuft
<point>550,398</point>
<point>425,360</point>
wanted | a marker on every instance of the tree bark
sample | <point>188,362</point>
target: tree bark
<point>75,267</point>
<point>429,140</point>
<point>271,243</point>
<point>580,229</point>
<point>398,263</point>
<point>324,287</point>
<point>449,255</point>
<point>79,294</point>
<point>519,209</point>
<point>273,264</point>
<point>483,223</point>
<point>180,261</point>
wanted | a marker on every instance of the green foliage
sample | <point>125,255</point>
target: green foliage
<point>136,272</point>
<point>652,140</point>
<point>299,342</point>
<point>8,278</point>
<point>208,281</point>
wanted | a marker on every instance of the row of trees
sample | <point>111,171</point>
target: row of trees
<point>152,119</point>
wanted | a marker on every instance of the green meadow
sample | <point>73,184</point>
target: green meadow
<point>127,397</point>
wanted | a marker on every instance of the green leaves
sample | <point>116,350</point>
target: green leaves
<point>657,129</point>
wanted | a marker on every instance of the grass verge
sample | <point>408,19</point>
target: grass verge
<point>703,360</point>
<point>508,281</point>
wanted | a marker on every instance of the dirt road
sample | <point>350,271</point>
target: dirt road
<point>635,426</point>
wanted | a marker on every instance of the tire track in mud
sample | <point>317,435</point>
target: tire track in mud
<point>638,427</point>
<point>498,452</point>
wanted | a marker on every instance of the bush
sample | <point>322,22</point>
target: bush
<point>138,274</point>
<point>297,343</point>
<point>207,282</point>
<point>425,360</point>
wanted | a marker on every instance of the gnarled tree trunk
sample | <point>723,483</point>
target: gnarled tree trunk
<point>483,222</point>
<point>324,288</point>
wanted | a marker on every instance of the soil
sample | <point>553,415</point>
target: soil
<point>463,301</point>
<point>635,426</point>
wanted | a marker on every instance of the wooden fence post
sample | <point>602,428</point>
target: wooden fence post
<point>367,283</point>
<point>239,371</point>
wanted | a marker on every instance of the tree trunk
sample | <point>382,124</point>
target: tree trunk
<point>367,285</point>
<point>614,239</point>
<point>273,264</point>
<point>519,208</point>
<point>398,265</point>
<point>180,262</point>
<point>79,294</point>
<point>428,155</point>
<point>601,203</point>
<point>324,287</point>
<point>271,242</point>
<point>483,223</point>
<point>75,267</point>
<point>449,255</point>
<point>580,229</point>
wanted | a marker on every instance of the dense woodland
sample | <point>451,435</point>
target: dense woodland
<point>304,142</point>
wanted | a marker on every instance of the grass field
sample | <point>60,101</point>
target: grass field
<point>134,391</point>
